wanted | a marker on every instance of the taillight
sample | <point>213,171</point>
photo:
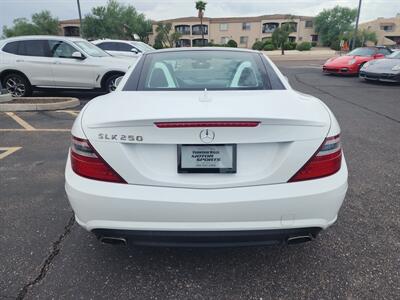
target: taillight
<point>86,162</point>
<point>207,124</point>
<point>326,161</point>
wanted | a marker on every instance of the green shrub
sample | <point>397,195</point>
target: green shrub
<point>158,44</point>
<point>232,44</point>
<point>304,46</point>
<point>313,44</point>
<point>289,46</point>
<point>215,45</point>
<point>269,47</point>
<point>335,45</point>
<point>259,45</point>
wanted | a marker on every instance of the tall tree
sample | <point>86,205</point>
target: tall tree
<point>201,7</point>
<point>165,38</point>
<point>281,34</point>
<point>116,21</point>
<point>331,23</point>
<point>362,38</point>
<point>42,23</point>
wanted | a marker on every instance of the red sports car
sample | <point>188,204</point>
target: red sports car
<point>352,62</point>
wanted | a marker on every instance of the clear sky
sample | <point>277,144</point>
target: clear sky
<point>163,9</point>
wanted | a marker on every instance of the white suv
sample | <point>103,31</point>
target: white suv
<point>33,62</point>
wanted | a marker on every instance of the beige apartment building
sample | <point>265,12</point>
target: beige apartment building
<point>387,30</point>
<point>69,27</point>
<point>243,30</point>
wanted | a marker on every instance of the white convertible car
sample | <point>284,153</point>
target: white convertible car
<point>205,147</point>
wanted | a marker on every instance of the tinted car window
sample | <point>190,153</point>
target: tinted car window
<point>108,46</point>
<point>212,70</point>
<point>384,51</point>
<point>11,47</point>
<point>125,47</point>
<point>395,55</point>
<point>61,49</point>
<point>142,47</point>
<point>363,52</point>
<point>91,49</point>
<point>33,48</point>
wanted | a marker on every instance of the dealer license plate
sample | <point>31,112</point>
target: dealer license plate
<point>207,158</point>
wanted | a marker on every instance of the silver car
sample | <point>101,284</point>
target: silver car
<point>386,69</point>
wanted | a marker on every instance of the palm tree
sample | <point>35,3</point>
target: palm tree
<point>281,34</point>
<point>164,37</point>
<point>201,7</point>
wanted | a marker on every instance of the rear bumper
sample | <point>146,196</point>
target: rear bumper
<point>101,205</point>
<point>385,77</point>
<point>209,238</point>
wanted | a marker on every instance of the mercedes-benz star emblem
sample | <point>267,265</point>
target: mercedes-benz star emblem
<point>207,135</point>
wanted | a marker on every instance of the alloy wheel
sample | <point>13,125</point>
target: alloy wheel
<point>112,85</point>
<point>15,86</point>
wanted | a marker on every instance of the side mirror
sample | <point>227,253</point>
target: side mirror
<point>118,80</point>
<point>77,55</point>
<point>134,51</point>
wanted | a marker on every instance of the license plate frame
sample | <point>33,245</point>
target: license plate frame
<point>211,170</point>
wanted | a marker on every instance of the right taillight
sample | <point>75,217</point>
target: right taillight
<point>86,162</point>
<point>326,161</point>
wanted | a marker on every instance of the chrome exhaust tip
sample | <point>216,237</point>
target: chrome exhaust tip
<point>299,239</point>
<point>113,240</point>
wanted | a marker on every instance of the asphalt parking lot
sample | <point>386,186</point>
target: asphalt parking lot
<point>44,254</point>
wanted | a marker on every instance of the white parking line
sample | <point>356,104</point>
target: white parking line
<point>21,122</point>
<point>8,151</point>
<point>35,130</point>
<point>303,67</point>
<point>70,112</point>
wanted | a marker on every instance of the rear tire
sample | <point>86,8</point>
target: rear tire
<point>17,85</point>
<point>109,84</point>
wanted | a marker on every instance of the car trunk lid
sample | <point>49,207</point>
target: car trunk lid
<point>122,127</point>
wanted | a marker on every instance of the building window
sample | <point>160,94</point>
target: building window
<point>183,43</point>
<point>196,29</point>
<point>292,39</point>
<point>387,27</point>
<point>309,24</point>
<point>223,27</point>
<point>71,31</point>
<point>225,39</point>
<point>264,39</point>
<point>246,26</point>
<point>244,40</point>
<point>293,25</point>
<point>183,29</point>
<point>314,37</point>
<point>199,42</point>
<point>269,27</point>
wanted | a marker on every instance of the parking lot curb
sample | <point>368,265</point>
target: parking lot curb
<point>37,106</point>
<point>5,98</point>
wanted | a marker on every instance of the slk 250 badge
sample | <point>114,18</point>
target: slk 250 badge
<point>120,137</point>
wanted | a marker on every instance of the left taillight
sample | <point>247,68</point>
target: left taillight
<point>86,162</point>
<point>326,161</point>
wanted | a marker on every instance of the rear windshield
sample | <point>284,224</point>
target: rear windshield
<point>199,70</point>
